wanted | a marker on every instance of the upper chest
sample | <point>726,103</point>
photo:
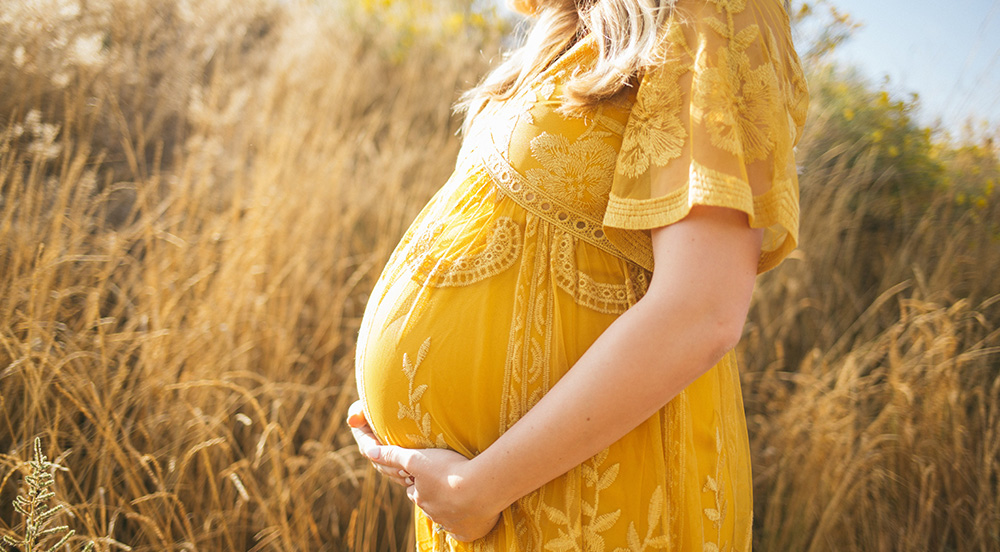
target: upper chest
<point>528,139</point>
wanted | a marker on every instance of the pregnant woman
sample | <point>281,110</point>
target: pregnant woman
<point>546,361</point>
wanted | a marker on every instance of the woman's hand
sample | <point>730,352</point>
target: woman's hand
<point>439,481</point>
<point>366,440</point>
<point>445,486</point>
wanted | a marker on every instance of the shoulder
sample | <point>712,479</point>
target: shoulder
<point>733,39</point>
<point>726,16</point>
<point>773,12</point>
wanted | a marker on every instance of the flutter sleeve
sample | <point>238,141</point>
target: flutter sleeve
<point>714,123</point>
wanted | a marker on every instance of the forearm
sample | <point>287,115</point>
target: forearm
<point>692,314</point>
<point>642,361</point>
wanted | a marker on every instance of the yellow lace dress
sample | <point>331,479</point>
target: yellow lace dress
<point>540,239</point>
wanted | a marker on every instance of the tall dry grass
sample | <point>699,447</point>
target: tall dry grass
<point>195,199</point>
<point>872,381</point>
<point>190,222</point>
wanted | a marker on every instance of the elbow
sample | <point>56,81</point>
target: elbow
<point>709,327</point>
<point>723,332</point>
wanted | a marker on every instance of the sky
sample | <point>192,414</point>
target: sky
<point>947,51</point>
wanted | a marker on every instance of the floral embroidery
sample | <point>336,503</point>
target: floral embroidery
<point>550,206</point>
<point>572,527</point>
<point>598,480</point>
<point>569,526</point>
<point>655,133</point>
<point>716,485</point>
<point>529,346</point>
<point>730,6</point>
<point>413,411</point>
<point>579,172</point>
<point>651,541</point>
<point>738,102</point>
<point>729,92</point>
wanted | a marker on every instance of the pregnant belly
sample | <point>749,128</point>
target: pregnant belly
<point>431,362</point>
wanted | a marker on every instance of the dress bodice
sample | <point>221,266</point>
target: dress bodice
<point>541,239</point>
<point>714,124</point>
<point>557,166</point>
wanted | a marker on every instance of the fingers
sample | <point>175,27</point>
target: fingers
<point>369,445</point>
<point>391,457</point>
<point>356,415</point>
<point>398,477</point>
<point>388,461</point>
<point>363,433</point>
<point>471,529</point>
<point>365,439</point>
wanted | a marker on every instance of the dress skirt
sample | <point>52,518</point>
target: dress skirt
<point>542,238</point>
<point>481,309</point>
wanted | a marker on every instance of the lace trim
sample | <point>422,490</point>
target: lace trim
<point>550,208</point>
<point>601,297</point>
<point>776,207</point>
<point>705,186</point>
<point>529,347</point>
<point>503,248</point>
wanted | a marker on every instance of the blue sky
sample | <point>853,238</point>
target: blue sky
<point>946,51</point>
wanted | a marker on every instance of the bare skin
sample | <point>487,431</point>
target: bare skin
<point>692,314</point>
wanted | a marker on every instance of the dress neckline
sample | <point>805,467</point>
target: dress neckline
<point>572,54</point>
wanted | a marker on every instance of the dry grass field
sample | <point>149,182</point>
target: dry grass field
<point>195,199</point>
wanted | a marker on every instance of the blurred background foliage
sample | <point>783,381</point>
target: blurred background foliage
<point>197,197</point>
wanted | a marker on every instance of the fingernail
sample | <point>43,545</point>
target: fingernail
<point>402,473</point>
<point>373,453</point>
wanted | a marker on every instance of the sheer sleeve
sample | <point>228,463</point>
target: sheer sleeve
<point>714,124</point>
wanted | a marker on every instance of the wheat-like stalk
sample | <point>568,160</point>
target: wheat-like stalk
<point>38,514</point>
<point>196,199</point>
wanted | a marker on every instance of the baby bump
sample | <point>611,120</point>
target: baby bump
<point>431,363</point>
<point>461,340</point>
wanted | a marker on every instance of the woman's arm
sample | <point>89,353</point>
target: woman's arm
<point>692,314</point>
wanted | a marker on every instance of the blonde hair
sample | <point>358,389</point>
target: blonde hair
<point>628,31</point>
